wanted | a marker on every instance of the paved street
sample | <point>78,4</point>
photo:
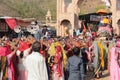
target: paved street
<point>105,76</point>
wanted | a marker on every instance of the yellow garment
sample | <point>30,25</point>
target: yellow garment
<point>51,51</point>
<point>101,49</point>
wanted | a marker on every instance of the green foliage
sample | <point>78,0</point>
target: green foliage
<point>38,8</point>
<point>91,6</point>
<point>32,8</point>
<point>100,7</point>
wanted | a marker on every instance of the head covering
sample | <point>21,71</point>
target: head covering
<point>58,48</point>
<point>23,46</point>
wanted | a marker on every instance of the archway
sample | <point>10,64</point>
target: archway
<point>65,27</point>
<point>118,23</point>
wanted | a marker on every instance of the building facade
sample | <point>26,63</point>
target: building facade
<point>67,16</point>
<point>115,9</point>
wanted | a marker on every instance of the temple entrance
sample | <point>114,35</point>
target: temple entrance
<point>67,16</point>
<point>65,27</point>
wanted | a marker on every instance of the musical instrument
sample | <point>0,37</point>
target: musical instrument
<point>33,29</point>
<point>17,29</point>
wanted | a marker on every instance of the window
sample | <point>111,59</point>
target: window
<point>3,26</point>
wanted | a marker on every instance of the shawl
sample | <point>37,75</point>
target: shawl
<point>58,59</point>
<point>102,53</point>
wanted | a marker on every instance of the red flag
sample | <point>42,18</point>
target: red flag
<point>11,22</point>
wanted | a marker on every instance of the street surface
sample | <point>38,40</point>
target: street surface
<point>105,76</point>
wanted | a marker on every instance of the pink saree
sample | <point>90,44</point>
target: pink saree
<point>114,67</point>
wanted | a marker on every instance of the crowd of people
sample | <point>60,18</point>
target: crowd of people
<point>59,58</point>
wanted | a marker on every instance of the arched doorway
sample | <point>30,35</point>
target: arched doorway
<point>65,27</point>
<point>118,23</point>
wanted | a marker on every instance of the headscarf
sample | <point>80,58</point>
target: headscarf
<point>58,49</point>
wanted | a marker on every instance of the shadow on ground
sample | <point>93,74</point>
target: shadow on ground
<point>105,76</point>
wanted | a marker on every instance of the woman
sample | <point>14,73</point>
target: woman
<point>114,62</point>
<point>58,64</point>
<point>11,67</point>
<point>75,66</point>
<point>7,65</point>
<point>22,53</point>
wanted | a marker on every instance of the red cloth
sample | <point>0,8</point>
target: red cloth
<point>58,49</point>
<point>5,50</point>
<point>58,59</point>
<point>118,43</point>
<point>11,22</point>
<point>23,46</point>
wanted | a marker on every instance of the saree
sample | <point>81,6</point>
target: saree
<point>114,67</point>
<point>96,60</point>
<point>102,54</point>
<point>58,65</point>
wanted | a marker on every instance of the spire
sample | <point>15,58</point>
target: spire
<point>48,17</point>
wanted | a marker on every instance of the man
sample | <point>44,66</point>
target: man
<point>35,64</point>
<point>75,66</point>
<point>44,31</point>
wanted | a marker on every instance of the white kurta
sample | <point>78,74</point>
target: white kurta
<point>36,67</point>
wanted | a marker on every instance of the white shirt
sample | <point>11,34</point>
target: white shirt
<point>36,67</point>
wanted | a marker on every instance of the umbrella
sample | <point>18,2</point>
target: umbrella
<point>102,11</point>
